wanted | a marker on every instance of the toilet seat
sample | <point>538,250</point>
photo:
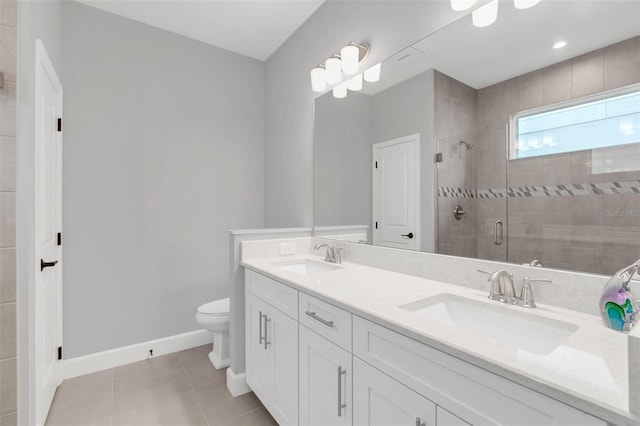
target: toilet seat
<point>216,308</point>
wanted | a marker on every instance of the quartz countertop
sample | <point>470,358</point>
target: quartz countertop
<point>588,371</point>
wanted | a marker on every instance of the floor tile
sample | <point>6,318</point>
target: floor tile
<point>195,354</point>
<point>220,407</point>
<point>258,417</point>
<point>129,393</point>
<point>91,406</point>
<point>86,381</point>
<point>9,420</point>
<point>180,409</point>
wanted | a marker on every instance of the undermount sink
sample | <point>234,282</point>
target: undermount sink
<point>305,266</point>
<point>529,332</point>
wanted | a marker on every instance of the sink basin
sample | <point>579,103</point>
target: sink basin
<point>499,324</point>
<point>306,266</point>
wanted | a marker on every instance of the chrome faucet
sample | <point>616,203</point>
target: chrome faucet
<point>332,254</point>
<point>502,288</point>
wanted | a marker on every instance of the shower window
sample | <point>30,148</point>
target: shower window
<point>603,121</point>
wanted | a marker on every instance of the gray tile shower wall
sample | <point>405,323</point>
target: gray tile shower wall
<point>8,379</point>
<point>574,211</point>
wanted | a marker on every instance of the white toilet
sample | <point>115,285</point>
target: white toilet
<point>214,316</point>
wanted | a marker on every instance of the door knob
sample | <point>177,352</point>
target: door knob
<point>409,235</point>
<point>44,264</point>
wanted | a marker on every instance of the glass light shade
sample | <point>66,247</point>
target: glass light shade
<point>333,70</point>
<point>372,75</point>
<point>355,83</point>
<point>318,79</point>
<point>485,15</point>
<point>459,5</point>
<point>525,4</point>
<point>349,55</point>
<point>340,91</point>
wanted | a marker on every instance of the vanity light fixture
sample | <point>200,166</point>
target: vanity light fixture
<point>341,70</point>
<point>340,91</point>
<point>355,83</point>
<point>318,78</point>
<point>460,5</point>
<point>525,4</point>
<point>372,75</point>
<point>485,15</point>
<point>559,44</point>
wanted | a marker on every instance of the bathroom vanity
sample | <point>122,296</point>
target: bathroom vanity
<point>341,344</point>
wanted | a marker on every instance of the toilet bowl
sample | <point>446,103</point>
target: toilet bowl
<point>214,316</point>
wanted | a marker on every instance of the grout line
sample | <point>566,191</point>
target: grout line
<point>193,390</point>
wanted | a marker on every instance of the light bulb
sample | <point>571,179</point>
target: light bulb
<point>485,15</point>
<point>318,79</point>
<point>560,44</point>
<point>372,75</point>
<point>460,5</point>
<point>355,83</point>
<point>525,4</point>
<point>334,70</point>
<point>340,91</point>
<point>350,55</point>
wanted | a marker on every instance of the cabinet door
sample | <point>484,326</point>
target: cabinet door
<point>445,418</point>
<point>259,359</point>
<point>381,401</point>
<point>325,381</point>
<point>282,337</point>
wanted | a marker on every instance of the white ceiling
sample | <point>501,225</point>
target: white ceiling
<point>255,28</point>
<point>520,41</point>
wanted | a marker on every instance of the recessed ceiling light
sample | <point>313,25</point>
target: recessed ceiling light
<point>559,44</point>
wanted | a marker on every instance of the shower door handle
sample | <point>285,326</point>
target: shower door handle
<point>498,232</point>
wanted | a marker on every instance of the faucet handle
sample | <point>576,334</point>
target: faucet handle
<point>526,299</point>
<point>336,254</point>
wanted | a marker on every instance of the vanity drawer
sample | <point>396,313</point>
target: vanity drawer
<point>278,295</point>
<point>474,394</point>
<point>326,319</point>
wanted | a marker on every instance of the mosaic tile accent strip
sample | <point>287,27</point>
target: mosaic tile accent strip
<point>571,189</point>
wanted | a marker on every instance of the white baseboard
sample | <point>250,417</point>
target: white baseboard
<point>140,351</point>
<point>237,383</point>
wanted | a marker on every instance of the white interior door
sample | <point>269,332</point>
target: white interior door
<point>396,193</point>
<point>48,207</point>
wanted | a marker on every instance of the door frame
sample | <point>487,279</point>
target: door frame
<point>37,407</point>
<point>412,138</point>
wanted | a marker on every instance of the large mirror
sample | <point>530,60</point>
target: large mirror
<point>516,142</point>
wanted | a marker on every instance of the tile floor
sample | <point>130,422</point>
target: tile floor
<point>179,389</point>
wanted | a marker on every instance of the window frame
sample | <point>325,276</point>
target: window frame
<point>513,118</point>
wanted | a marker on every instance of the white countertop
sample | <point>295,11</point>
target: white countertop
<point>589,371</point>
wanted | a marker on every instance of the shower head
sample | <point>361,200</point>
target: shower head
<point>466,144</point>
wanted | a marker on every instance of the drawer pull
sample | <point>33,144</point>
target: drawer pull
<point>340,404</point>
<point>266,331</point>
<point>317,318</point>
<point>260,327</point>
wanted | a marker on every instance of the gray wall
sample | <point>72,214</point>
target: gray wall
<point>402,110</point>
<point>164,152</point>
<point>343,132</point>
<point>387,25</point>
<point>36,19</point>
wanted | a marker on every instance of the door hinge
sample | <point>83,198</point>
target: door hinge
<point>439,157</point>
<point>59,353</point>
<point>59,238</point>
<point>376,225</point>
<point>59,124</point>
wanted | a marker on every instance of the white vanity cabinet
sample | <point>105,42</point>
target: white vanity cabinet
<point>378,400</point>
<point>325,381</point>
<point>272,355</point>
<point>313,363</point>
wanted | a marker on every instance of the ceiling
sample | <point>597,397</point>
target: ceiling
<point>255,28</point>
<point>520,41</point>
